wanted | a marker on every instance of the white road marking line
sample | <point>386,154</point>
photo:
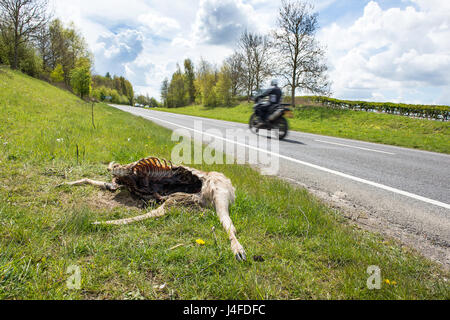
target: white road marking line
<point>349,146</point>
<point>344,175</point>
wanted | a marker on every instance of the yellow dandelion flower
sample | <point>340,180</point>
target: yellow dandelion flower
<point>201,242</point>
<point>387,281</point>
<point>394,283</point>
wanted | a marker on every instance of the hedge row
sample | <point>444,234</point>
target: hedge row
<point>411,110</point>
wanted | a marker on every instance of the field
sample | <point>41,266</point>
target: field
<point>359,125</point>
<point>309,250</point>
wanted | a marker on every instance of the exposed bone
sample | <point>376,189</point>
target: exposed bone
<point>159,181</point>
<point>102,185</point>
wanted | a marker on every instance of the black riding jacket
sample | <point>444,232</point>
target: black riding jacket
<point>274,95</point>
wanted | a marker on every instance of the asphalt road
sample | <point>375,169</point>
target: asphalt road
<point>408,190</point>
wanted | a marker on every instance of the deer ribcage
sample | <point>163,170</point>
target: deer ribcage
<point>152,179</point>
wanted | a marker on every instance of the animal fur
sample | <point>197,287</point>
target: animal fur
<point>155,180</point>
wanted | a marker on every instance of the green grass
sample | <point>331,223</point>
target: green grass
<point>44,230</point>
<point>380,128</point>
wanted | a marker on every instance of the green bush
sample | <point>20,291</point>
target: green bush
<point>412,110</point>
<point>81,81</point>
<point>3,53</point>
<point>57,74</point>
<point>29,62</point>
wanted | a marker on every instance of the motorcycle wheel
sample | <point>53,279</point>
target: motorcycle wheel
<point>253,123</point>
<point>283,128</point>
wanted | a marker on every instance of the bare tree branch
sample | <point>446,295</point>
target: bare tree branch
<point>300,59</point>
<point>235,64</point>
<point>255,53</point>
<point>21,21</point>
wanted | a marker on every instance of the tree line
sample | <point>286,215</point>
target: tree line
<point>33,42</point>
<point>114,89</point>
<point>290,53</point>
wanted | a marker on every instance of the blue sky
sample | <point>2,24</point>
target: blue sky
<point>384,50</point>
<point>347,11</point>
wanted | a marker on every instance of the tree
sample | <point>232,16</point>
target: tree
<point>261,54</point>
<point>81,80</point>
<point>20,22</point>
<point>3,52</point>
<point>254,51</point>
<point>147,101</point>
<point>57,74</point>
<point>300,59</point>
<point>165,92</point>
<point>43,44</point>
<point>123,88</point>
<point>205,82</point>
<point>130,91</point>
<point>235,67</point>
<point>154,103</point>
<point>189,76</point>
<point>248,76</point>
<point>117,85</point>
<point>67,47</point>
<point>223,89</point>
<point>177,95</point>
<point>126,88</point>
<point>29,62</point>
<point>141,99</point>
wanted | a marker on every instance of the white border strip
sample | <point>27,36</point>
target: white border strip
<point>344,175</point>
<point>361,148</point>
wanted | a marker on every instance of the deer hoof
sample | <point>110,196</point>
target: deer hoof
<point>240,254</point>
<point>241,257</point>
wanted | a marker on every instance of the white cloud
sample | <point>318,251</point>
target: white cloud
<point>439,7</point>
<point>222,21</point>
<point>391,53</point>
<point>114,51</point>
<point>182,43</point>
<point>159,25</point>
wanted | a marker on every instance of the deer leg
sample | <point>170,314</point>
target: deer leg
<point>157,213</point>
<point>102,185</point>
<point>222,203</point>
<point>173,200</point>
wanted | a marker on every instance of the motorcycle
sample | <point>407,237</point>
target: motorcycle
<point>275,121</point>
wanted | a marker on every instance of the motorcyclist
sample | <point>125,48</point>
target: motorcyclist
<point>275,94</point>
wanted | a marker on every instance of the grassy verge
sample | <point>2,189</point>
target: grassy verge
<point>365,126</point>
<point>44,230</point>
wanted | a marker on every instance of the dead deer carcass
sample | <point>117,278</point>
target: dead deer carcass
<point>154,180</point>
